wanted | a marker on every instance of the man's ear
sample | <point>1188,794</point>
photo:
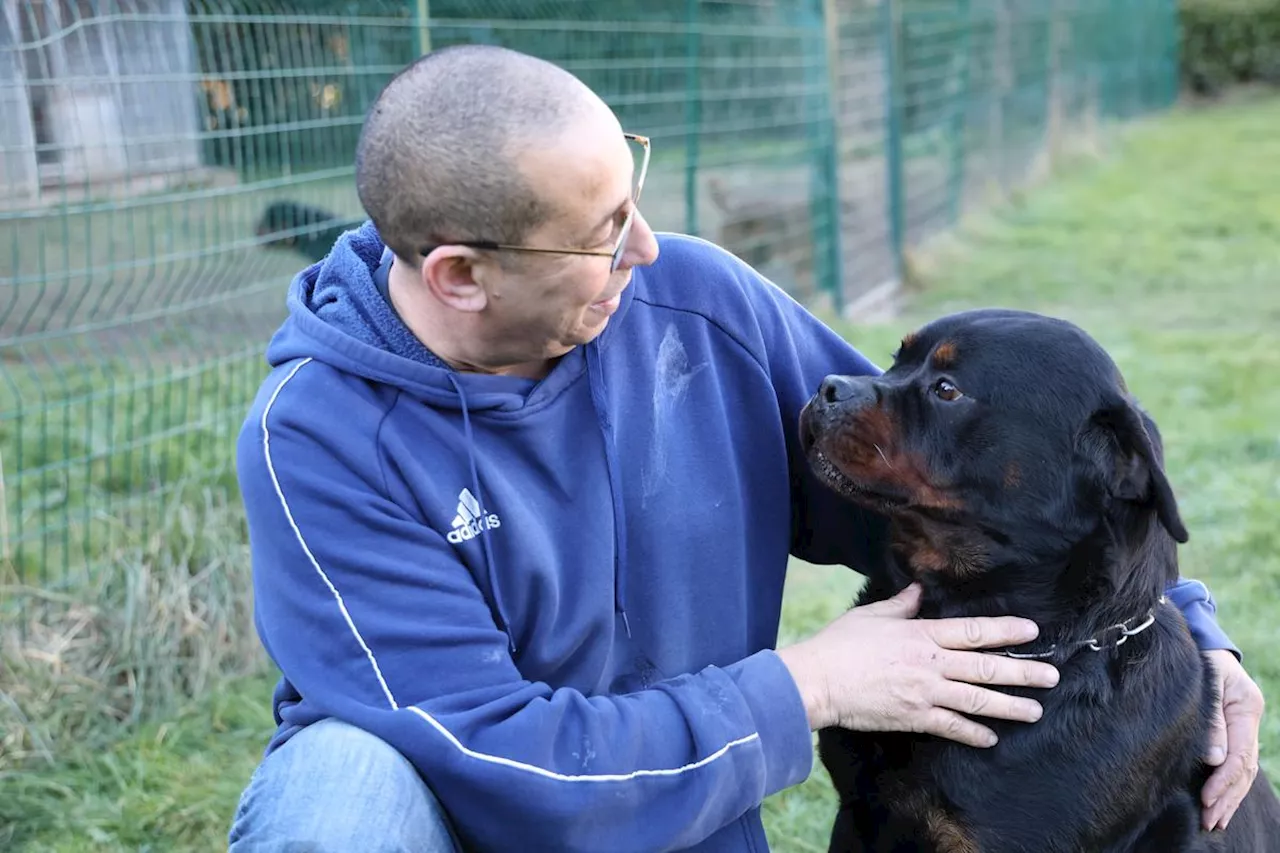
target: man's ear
<point>1134,464</point>
<point>451,273</point>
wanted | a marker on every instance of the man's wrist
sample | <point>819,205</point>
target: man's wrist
<point>810,682</point>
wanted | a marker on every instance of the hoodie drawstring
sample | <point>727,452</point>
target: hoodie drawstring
<point>500,613</point>
<point>595,375</point>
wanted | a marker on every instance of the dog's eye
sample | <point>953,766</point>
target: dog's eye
<point>946,390</point>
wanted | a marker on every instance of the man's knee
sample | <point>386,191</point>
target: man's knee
<point>334,787</point>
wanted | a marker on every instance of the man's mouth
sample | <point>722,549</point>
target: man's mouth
<point>608,305</point>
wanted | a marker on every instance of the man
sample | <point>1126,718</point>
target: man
<point>521,491</point>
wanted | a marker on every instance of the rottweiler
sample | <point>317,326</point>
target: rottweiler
<point>1017,475</point>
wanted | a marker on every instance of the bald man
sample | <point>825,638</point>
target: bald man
<point>521,490</point>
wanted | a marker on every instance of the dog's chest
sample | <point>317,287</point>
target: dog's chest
<point>890,798</point>
<point>903,792</point>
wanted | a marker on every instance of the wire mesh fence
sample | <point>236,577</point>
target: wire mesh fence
<point>166,167</point>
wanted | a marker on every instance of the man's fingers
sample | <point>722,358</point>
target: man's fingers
<point>1237,720</point>
<point>953,726</point>
<point>1223,780</point>
<point>1242,716</point>
<point>980,702</point>
<point>977,632</point>
<point>1227,787</point>
<point>1232,780</point>
<point>980,668</point>
<point>1240,735</point>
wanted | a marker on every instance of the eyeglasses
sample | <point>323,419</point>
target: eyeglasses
<point>615,254</point>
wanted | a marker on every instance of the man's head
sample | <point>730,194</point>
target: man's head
<point>482,145</point>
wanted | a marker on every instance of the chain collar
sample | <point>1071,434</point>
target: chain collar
<point>1108,638</point>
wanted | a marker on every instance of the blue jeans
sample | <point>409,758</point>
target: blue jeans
<point>333,787</point>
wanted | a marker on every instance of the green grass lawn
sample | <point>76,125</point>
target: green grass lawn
<point>1168,253</point>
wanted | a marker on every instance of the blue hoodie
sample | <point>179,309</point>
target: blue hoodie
<point>558,598</point>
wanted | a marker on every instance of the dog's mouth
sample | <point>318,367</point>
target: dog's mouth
<point>859,458</point>
<point>873,492</point>
<point>869,493</point>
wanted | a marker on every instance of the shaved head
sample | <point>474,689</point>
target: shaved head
<point>438,159</point>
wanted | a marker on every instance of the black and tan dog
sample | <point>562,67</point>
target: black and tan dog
<point>1019,477</point>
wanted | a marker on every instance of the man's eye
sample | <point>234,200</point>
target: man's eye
<point>615,227</point>
<point>946,390</point>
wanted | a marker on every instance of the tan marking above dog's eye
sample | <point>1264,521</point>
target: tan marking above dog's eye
<point>945,389</point>
<point>944,355</point>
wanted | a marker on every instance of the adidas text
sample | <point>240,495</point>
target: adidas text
<point>474,529</point>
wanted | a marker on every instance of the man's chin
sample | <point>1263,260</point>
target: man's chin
<point>589,328</point>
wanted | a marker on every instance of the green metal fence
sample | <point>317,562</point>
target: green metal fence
<point>141,141</point>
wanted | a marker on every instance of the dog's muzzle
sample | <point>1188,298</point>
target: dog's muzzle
<point>838,398</point>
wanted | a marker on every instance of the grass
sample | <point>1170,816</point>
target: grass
<point>168,617</point>
<point>1169,253</point>
<point>170,786</point>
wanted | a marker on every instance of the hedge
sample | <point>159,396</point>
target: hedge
<point>1226,42</point>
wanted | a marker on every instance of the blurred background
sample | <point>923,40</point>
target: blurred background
<point>167,166</point>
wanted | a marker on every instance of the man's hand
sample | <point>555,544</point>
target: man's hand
<point>876,668</point>
<point>1233,741</point>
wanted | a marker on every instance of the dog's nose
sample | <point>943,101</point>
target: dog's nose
<point>837,389</point>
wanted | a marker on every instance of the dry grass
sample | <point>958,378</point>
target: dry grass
<point>165,617</point>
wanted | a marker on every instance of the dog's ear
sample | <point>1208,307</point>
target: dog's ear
<point>1135,462</point>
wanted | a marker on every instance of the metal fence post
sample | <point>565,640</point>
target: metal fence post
<point>422,17</point>
<point>692,115</point>
<point>828,163</point>
<point>891,33</point>
<point>1172,47</point>
<point>960,114</point>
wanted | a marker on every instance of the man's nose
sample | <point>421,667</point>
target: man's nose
<point>642,246</point>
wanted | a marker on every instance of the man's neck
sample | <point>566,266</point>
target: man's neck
<point>447,337</point>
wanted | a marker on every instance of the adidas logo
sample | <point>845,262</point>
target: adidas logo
<point>471,520</point>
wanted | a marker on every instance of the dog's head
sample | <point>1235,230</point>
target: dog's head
<point>996,437</point>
